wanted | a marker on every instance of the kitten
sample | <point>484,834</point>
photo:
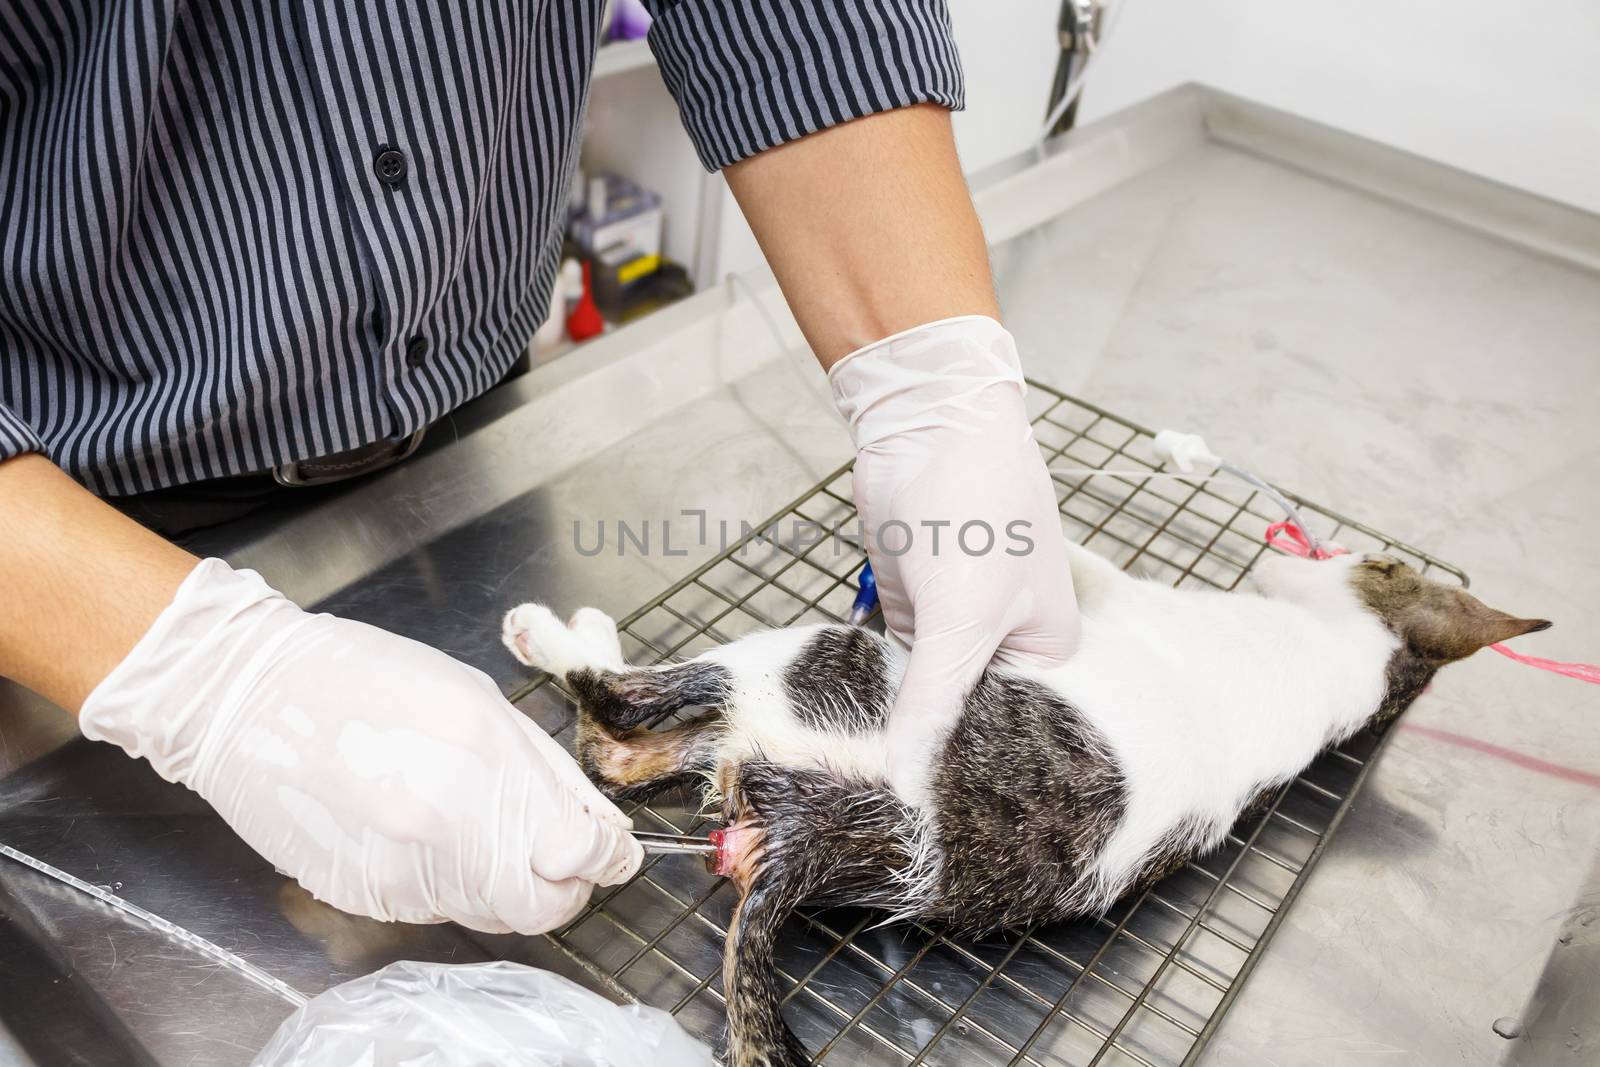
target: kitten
<point>1056,792</point>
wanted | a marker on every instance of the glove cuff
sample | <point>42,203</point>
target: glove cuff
<point>158,701</point>
<point>900,383</point>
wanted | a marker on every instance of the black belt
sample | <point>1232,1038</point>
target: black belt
<point>367,459</point>
<point>184,510</point>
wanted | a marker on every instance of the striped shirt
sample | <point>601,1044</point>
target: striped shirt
<point>236,233</point>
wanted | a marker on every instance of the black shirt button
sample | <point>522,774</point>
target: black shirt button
<point>390,166</point>
<point>416,352</point>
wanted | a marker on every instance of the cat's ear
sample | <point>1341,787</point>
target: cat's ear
<point>1502,627</point>
<point>1439,622</point>
<point>1469,624</point>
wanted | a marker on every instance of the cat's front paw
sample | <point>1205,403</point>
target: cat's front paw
<point>535,636</point>
<point>598,631</point>
<point>539,639</point>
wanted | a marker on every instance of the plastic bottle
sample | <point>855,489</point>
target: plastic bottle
<point>585,321</point>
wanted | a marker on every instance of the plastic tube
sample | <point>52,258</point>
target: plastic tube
<point>1228,470</point>
<point>1277,498</point>
<point>737,281</point>
<point>867,599</point>
<point>1102,472</point>
<point>208,949</point>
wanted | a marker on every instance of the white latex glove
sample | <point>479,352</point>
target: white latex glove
<point>387,778</point>
<point>942,436</point>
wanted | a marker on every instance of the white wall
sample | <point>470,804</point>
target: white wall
<point>1483,85</point>
<point>1508,91</point>
<point>1008,53</point>
<point>633,129</point>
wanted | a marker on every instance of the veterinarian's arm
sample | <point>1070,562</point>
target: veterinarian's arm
<point>388,778</point>
<point>869,228</point>
<point>874,239</point>
<point>81,582</point>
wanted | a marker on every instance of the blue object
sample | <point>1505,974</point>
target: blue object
<point>867,599</point>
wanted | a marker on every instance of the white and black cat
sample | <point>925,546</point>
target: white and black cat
<point>1178,711</point>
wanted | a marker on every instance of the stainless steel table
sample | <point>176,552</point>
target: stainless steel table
<point>1410,345</point>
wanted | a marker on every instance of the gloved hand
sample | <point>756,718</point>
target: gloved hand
<point>387,778</point>
<point>961,522</point>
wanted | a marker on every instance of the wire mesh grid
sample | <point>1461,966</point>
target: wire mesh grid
<point>1147,983</point>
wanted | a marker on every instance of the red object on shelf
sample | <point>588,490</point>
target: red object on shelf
<point>585,320</point>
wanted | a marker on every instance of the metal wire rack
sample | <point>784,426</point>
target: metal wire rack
<point>1148,983</point>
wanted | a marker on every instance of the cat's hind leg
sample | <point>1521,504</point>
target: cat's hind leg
<point>798,836</point>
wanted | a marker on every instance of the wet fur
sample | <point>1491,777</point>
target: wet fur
<point>1180,711</point>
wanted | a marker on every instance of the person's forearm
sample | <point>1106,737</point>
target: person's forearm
<point>869,227</point>
<point>80,583</point>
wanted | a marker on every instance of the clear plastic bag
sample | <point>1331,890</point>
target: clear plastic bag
<point>474,1015</point>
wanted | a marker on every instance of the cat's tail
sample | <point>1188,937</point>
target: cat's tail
<point>757,1034</point>
<point>802,837</point>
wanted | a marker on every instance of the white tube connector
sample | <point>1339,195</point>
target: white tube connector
<point>1185,451</point>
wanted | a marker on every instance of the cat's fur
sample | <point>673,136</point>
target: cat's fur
<point>1056,792</point>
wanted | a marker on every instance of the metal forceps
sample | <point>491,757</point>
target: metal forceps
<point>663,843</point>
